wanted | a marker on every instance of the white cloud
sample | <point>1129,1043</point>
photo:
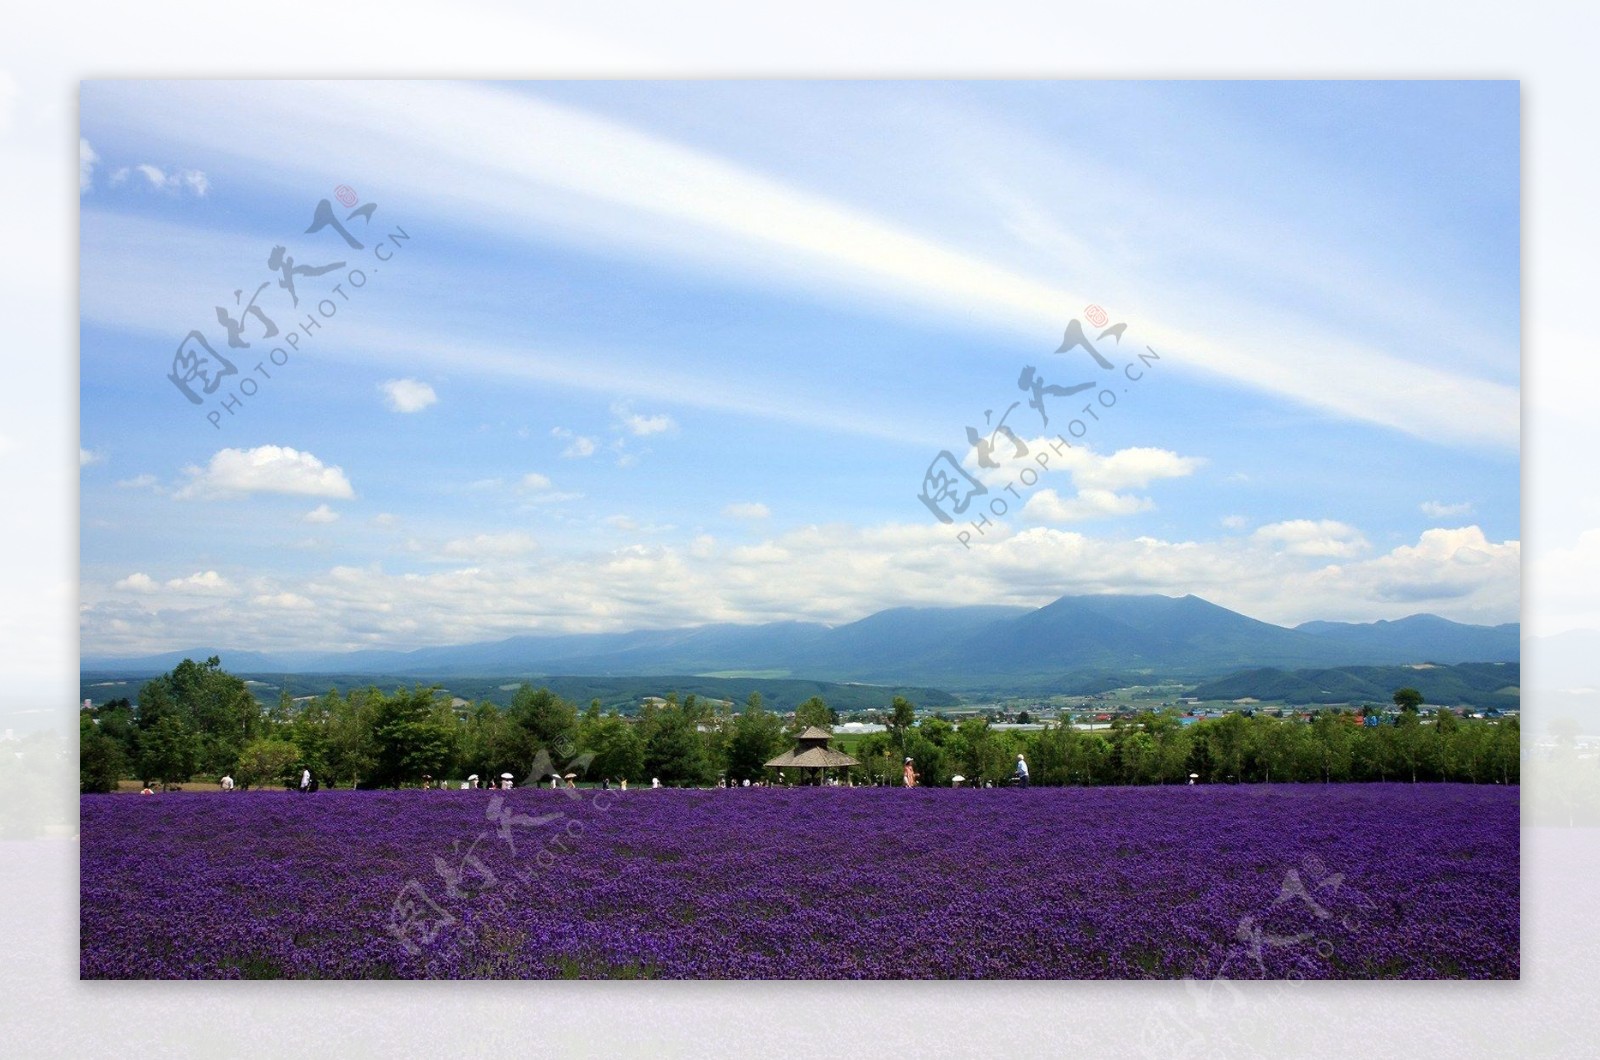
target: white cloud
<point>192,180</point>
<point>1047,506</point>
<point>1313,537</point>
<point>202,582</point>
<point>88,456</point>
<point>1235,522</point>
<point>631,525</point>
<point>139,482</point>
<point>284,602</point>
<point>560,168</point>
<point>1099,479</point>
<point>385,519</point>
<point>137,582</point>
<point>86,163</point>
<point>1444,566</point>
<point>837,573</point>
<point>747,510</point>
<point>1437,510</point>
<point>321,514</point>
<point>407,395</point>
<point>266,469</point>
<point>1132,468</point>
<point>489,546</point>
<point>578,446</point>
<point>535,481</point>
<point>641,425</point>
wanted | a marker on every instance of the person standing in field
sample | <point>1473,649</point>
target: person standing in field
<point>1021,772</point>
<point>227,783</point>
<point>305,781</point>
<point>910,774</point>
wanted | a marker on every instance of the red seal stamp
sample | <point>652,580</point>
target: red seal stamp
<point>1094,314</point>
<point>346,195</point>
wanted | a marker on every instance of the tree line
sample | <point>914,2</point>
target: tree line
<point>199,720</point>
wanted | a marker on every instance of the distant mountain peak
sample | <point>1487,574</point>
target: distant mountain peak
<point>977,646</point>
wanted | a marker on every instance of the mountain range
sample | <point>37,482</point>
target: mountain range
<point>979,647</point>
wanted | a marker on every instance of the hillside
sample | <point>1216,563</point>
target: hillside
<point>614,693</point>
<point>979,647</point>
<point>1482,685</point>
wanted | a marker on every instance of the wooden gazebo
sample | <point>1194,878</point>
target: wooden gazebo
<point>811,752</point>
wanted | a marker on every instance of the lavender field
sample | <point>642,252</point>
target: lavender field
<point>1263,881</point>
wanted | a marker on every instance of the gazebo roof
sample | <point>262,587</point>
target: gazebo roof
<point>811,751</point>
<point>812,758</point>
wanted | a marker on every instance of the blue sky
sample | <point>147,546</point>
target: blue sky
<point>662,354</point>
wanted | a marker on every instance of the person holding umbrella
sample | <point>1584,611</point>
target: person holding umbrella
<point>505,781</point>
<point>909,774</point>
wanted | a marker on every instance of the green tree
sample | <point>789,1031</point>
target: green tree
<point>902,716</point>
<point>101,760</point>
<point>674,751</point>
<point>168,750</point>
<point>1377,755</point>
<point>489,746</point>
<point>1334,741</point>
<point>932,764</point>
<point>1225,738</point>
<point>308,729</point>
<point>814,711</point>
<point>1171,737</point>
<point>267,761</point>
<point>1269,744</point>
<point>414,734</point>
<point>1408,699</point>
<point>756,739</point>
<point>880,757</point>
<point>1444,749</point>
<point>979,754</point>
<point>936,731</point>
<point>1135,752</point>
<point>1409,741</point>
<point>618,751</point>
<point>545,722</point>
<point>116,720</point>
<point>351,748</point>
<point>1505,754</point>
<point>217,708</point>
